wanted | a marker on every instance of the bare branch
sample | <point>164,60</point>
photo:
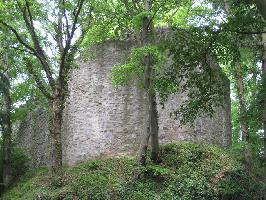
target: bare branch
<point>65,16</point>
<point>59,29</point>
<point>39,51</point>
<point>77,11</point>
<point>76,15</point>
<point>72,52</point>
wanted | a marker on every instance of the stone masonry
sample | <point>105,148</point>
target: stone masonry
<point>100,120</point>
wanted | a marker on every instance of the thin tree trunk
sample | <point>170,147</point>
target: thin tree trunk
<point>240,89</point>
<point>153,115</point>
<point>264,87</point>
<point>7,131</point>
<point>55,131</point>
<point>142,155</point>
<point>261,5</point>
<point>152,129</point>
<point>242,101</point>
<point>152,124</point>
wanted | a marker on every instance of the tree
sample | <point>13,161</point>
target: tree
<point>239,83</point>
<point>259,24</point>
<point>147,64</point>
<point>261,4</point>
<point>143,63</point>
<point>239,39</point>
<point>49,45</point>
<point>152,127</point>
<point>5,120</point>
<point>16,88</point>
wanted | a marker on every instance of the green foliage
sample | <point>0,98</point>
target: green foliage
<point>187,171</point>
<point>138,19</point>
<point>122,74</point>
<point>236,184</point>
<point>156,171</point>
<point>97,34</point>
<point>134,68</point>
<point>19,162</point>
<point>196,72</point>
<point>233,46</point>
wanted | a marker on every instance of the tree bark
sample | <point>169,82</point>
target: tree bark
<point>153,115</point>
<point>264,87</point>
<point>7,130</point>
<point>64,33</point>
<point>152,124</point>
<point>142,155</point>
<point>240,88</point>
<point>261,5</point>
<point>55,131</point>
<point>242,101</point>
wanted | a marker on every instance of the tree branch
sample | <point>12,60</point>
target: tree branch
<point>248,32</point>
<point>65,16</point>
<point>19,49</point>
<point>37,79</point>
<point>59,29</point>
<point>77,11</point>
<point>39,51</point>
<point>154,14</point>
<point>72,52</point>
<point>19,38</point>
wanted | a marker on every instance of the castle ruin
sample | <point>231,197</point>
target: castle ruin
<point>100,120</point>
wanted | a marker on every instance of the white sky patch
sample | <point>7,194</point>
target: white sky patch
<point>19,103</point>
<point>201,2</point>
<point>218,17</point>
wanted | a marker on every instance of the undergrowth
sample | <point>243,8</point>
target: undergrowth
<point>187,172</point>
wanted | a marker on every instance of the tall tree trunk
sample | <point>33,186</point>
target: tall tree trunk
<point>242,100</point>
<point>264,87</point>
<point>7,131</point>
<point>142,154</point>
<point>57,104</point>
<point>153,115</point>
<point>261,5</point>
<point>151,132</point>
<point>152,125</point>
<point>240,88</point>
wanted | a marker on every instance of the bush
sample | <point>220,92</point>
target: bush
<point>238,184</point>
<point>19,162</point>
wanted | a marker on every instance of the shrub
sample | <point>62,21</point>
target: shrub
<point>19,162</point>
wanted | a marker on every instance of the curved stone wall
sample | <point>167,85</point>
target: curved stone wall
<point>100,120</point>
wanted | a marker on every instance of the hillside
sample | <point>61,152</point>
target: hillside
<point>187,171</point>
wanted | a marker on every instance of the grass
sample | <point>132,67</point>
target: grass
<point>187,171</point>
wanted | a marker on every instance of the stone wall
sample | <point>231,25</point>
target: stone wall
<point>32,137</point>
<point>100,120</point>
